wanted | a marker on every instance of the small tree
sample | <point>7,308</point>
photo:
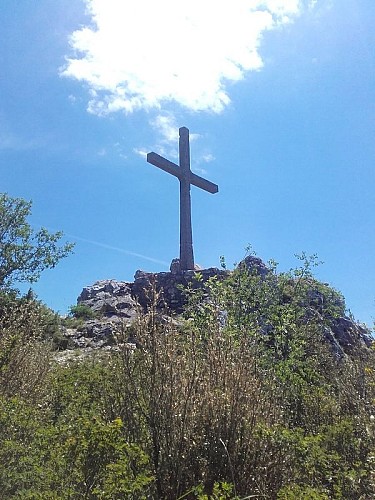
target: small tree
<point>25,253</point>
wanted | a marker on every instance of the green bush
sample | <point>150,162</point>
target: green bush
<point>24,356</point>
<point>66,446</point>
<point>296,492</point>
<point>82,311</point>
<point>247,391</point>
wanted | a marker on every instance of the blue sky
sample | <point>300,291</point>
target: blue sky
<point>279,96</point>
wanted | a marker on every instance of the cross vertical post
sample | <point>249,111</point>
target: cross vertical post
<point>186,178</point>
<point>186,232</point>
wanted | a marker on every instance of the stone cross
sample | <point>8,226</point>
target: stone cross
<point>186,178</point>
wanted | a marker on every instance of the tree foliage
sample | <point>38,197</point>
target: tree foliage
<point>25,253</point>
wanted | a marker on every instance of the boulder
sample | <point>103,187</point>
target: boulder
<point>254,264</point>
<point>110,298</point>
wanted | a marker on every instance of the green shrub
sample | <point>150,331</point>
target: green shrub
<point>82,311</point>
<point>24,357</point>
<point>296,492</point>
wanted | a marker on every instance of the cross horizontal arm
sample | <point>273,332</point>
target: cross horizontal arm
<point>203,184</point>
<point>175,170</point>
<point>164,164</point>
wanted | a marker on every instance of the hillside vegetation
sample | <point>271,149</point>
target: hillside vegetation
<point>243,396</point>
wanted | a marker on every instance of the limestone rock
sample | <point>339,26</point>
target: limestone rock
<point>175,266</point>
<point>349,335</point>
<point>110,298</point>
<point>168,286</point>
<point>254,264</point>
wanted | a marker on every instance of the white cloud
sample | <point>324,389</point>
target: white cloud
<point>166,126</point>
<point>200,171</point>
<point>207,158</point>
<point>141,152</point>
<point>141,54</point>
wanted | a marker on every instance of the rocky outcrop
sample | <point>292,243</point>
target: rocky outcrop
<point>114,309</point>
<point>117,304</point>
